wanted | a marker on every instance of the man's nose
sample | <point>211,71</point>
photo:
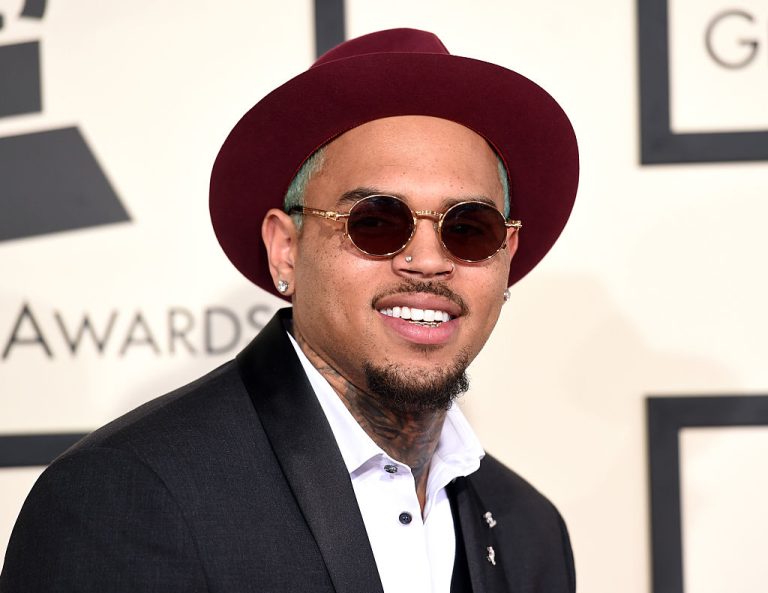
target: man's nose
<point>424,256</point>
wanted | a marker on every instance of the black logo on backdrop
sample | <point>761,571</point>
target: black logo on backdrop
<point>214,331</point>
<point>666,417</point>
<point>329,25</point>
<point>731,39</point>
<point>50,181</point>
<point>659,144</point>
<point>26,450</point>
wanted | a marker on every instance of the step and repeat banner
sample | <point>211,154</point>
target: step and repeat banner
<point>634,357</point>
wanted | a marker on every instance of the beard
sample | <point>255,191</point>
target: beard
<point>412,392</point>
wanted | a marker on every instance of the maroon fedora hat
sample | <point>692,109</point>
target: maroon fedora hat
<point>384,74</point>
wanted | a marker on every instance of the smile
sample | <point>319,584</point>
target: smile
<point>427,317</point>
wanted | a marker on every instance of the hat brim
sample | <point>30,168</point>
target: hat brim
<point>523,123</point>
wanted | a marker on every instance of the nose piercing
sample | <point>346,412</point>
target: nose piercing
<point>408,259</point>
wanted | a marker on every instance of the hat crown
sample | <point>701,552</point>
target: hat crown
<point>389,41</point>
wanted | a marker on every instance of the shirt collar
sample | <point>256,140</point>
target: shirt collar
<point>458,452</point>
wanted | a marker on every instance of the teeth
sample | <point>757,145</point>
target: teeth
<point>429,317</point>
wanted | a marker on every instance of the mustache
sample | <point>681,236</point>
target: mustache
<point>418,286</point>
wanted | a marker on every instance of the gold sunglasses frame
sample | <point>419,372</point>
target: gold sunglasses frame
<point>436,217</point>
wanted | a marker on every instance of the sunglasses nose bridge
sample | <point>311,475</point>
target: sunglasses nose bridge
<point>430,214</point>
<point>435,217</point>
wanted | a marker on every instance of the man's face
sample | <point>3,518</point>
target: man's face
<point>340,293</point>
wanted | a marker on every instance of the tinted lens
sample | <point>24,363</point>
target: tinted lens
<point>473,231</point>
<point>380,225</point>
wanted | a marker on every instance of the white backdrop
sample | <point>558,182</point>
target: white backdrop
<point>658,285</point>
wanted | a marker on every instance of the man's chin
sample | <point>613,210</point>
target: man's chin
<point>417,390</point>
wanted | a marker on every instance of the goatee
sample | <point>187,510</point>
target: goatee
<point>407,391</point>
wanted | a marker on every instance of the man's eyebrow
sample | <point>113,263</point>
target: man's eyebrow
<point>448,202</point>
<point>357,194</point>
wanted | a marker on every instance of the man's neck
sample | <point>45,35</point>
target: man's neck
<point>409,437</point>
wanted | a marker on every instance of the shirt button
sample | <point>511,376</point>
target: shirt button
<point>405,517</point>
<point>390,469</point>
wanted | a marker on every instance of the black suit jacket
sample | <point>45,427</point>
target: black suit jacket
<point>234,483</point>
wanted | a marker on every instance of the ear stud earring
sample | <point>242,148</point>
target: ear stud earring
<point>282,286</point>
<point>506,295</point>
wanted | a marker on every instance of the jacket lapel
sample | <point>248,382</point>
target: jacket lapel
<point>484,559</point>
<point>306,449</point>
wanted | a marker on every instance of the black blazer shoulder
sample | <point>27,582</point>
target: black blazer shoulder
<point>184,493</point>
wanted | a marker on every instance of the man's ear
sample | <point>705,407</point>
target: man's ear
<point>512,243</point>
<point>281,241</point>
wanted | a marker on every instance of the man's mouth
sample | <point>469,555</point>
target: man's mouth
<point>425,317</point>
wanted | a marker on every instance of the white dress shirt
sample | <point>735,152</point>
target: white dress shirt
<point>414,553</point>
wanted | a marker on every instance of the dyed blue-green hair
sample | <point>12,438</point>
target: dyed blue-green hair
<point>295,194</point>
<point>504,180</point>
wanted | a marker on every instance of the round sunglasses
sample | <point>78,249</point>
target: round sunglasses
<point>382,226</point>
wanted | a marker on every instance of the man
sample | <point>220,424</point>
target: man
<point>389,183</point>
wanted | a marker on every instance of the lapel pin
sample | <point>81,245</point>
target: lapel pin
<point>491,557</point>
<point>489,519</point>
